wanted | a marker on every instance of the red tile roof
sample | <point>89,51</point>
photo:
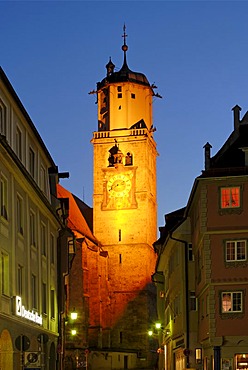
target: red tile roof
<point>76,220</point>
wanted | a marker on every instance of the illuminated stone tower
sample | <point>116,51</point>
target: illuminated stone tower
<point>125,213</point>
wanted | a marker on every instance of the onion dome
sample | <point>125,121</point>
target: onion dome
<point>124,74</point>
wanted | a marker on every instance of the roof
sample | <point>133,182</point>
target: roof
<point>230,159</point>
<point>18,102</point>
<point>124,74</point>
<point>76,219</point>
<point>172,221</point>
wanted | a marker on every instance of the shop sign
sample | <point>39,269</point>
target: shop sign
<point>21,311</point>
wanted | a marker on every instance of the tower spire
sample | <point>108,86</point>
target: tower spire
<point>124,46</point>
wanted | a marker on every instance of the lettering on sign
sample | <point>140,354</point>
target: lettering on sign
<point>26,314</point>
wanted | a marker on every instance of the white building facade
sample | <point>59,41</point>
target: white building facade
<point>29,229</point>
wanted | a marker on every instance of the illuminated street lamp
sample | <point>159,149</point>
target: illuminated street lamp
<point>73,332</point>
<point>158,325</point>
<point>74,314</point>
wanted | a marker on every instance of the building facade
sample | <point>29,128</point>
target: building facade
<point>125,214</point>
<point>218,212</point>
<point>176,300</point>
<point>29,230</point>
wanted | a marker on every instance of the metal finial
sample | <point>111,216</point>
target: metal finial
<point>124,46</point>
<point>124,34</point>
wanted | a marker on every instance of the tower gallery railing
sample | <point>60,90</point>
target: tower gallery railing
<point>132,132</point>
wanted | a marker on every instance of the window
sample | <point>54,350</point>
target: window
<point>52,248</point>
<point>32,228</point>
<point>121,337</point>
<point>43,239</point>
<point>190,252</point>
<point>5,273</point>
<point>19,287</point>
<point>119,95</point>
<point>231,302</point>
<point>119,88</point>
<point>18,143</point>
<point>192,301</point>
<point>34,291</point>
<point>119,237</point>
<point>128,159</point>
<point>3,118</point>
<point>44,298</point>
<point>31,162</point>
<point>133,96</point>
<point>19,214</point>
<point>236,250</point>
<point>120,258</point>
<point>230,197</point>
<point>177,305</point>
<point>4,197</point>
<point>43,179</point>
<point>52,303</point>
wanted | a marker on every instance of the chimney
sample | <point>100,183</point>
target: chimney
<point>236,116</point>
<point>207,148</point>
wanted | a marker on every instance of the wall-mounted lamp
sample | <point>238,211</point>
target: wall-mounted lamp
<point>150,333</point>
<point>198,355</point>
<point>158,325</point>
<point>167,331</point>
<point>74,314</point>
<point>73,332</point>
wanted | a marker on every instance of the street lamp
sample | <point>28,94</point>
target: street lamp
<point>74,314</point>
<point>158,325</point>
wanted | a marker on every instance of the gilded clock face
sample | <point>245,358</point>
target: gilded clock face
<point>119,186</point>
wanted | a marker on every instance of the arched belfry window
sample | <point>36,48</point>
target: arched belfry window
<point>115,156</point>
<point>129,159</point>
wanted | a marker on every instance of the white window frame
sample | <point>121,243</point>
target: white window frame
<point>236,250</point>
<point>229,305</point>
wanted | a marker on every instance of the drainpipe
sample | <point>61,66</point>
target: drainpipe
<point>187,295</point>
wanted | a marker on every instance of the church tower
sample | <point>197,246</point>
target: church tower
<point>125,212</point>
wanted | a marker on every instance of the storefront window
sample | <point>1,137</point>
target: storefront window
<point>241,361</point>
